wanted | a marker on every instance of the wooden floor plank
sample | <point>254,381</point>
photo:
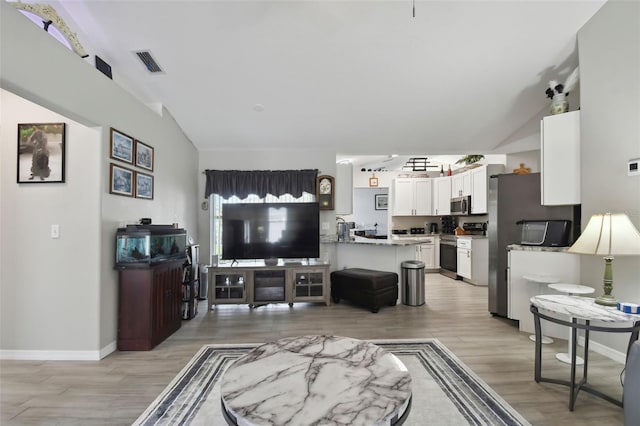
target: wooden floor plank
<point>117,389</point>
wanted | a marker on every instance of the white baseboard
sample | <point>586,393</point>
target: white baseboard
<point>604,350</point>
<point>110,348</point>
<point>47,355</point>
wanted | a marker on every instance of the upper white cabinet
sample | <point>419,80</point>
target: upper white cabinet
<point>479,190</point>
<point>461,184</point>
<point>442,196</point>
<point>560,159</point>
<point>411,197</point>
<point>344,188</point>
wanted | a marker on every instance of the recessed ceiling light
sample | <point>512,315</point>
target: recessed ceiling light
<point>258,107</point>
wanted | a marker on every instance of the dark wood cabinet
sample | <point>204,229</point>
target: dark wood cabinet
<point>149,305</point>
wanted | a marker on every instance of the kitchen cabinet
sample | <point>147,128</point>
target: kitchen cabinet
<point>479,185</point>
<point>560,159</point>
<point>473,260</point>
<point>461,184</point>
<point>464,257</point>
<point>426,252</point>
<point>442,196</point>
<point>411,197</point>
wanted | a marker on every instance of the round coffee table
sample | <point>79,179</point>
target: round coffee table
<point>316,380</point>
<point>570,289</point>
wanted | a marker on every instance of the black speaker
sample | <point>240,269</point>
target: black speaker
<point>103,67</point>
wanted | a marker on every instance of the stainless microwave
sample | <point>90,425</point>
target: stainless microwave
<point>546,233</point>
<point>461,206</point>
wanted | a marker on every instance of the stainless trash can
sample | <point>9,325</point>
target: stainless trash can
<point>412,282</point>
<point>203,283</point>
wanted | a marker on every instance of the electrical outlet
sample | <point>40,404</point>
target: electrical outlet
<point>325,226</point>
<point>55,231</point>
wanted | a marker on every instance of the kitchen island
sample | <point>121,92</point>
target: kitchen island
<point>378,254</point>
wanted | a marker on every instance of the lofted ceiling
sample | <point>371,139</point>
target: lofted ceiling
<point>357,77</point>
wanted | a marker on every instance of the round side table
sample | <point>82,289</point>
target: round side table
<point>541,279</point>
<point>571,290</point>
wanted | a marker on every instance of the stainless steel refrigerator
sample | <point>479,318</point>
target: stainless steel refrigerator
<point>512,198</point>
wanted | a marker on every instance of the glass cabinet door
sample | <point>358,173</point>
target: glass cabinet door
<point>229,286</point>
<point>308,283</point>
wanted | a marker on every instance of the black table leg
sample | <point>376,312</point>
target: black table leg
<point>574,337</point>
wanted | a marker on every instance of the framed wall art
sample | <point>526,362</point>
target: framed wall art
<point>41,151</point>
<point>121,146</point>
<point>144,186</point>
<point>121,181</point>
<point>382,201</point>
<point>144,156</point>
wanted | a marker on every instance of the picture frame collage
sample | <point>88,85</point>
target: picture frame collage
<point>127,181</point>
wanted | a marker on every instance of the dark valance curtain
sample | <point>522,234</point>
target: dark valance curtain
<point>241,183</point>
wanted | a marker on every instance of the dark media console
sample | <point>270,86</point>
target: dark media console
<point>255,283</point>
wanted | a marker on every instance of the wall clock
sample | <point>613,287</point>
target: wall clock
<point>325,189</point>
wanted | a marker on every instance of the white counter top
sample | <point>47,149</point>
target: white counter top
<point>376,242</point>
<point>536,248</point>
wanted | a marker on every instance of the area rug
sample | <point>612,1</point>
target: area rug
<point>445,391</point>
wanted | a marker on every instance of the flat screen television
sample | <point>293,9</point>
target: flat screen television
<point>270,231</point>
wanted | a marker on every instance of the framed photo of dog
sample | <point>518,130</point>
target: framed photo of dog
<point>41,150</point>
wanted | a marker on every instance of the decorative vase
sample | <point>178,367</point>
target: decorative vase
<point>559,104</point>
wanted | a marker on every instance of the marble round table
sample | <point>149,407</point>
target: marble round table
<point>570,289</point>
<point>316,380</point>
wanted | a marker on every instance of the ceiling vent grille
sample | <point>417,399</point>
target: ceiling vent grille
<point>149,63</point>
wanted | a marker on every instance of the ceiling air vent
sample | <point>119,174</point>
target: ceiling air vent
<point>150,64</point>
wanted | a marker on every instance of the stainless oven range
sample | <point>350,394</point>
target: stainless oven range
<point>448,256</point>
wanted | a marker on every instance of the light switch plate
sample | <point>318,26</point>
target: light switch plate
<point>55,231</point>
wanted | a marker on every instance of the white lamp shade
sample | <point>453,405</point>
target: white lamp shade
<point>609,234</point>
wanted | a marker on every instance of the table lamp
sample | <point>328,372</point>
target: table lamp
<point>608,235</point>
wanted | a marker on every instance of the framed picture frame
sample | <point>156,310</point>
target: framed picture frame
<point>41,152</point>
<point>121,181</point>
<point>121,146</point>
<point>382,201</point>
<point>144,156</point>
<point>144,186</point>
<point>373,182</point>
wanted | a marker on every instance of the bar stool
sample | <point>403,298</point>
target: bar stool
<point>571,290</point>
<point>541,279</point>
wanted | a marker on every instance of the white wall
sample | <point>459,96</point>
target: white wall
<point>610,136</point>
<point>49,291</point>
<point>324,161</point>
<point>364,212</point>
<point>36,67</point>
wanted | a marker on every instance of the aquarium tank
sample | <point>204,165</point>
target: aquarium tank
<point>146,245</point>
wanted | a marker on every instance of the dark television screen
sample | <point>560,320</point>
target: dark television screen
<point>270,230</point>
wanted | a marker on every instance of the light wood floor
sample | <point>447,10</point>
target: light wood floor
<point>118,388</point>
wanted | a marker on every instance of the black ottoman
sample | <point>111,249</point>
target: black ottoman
<point>365,287</point>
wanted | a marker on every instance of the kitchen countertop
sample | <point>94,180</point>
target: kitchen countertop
<point>536,248</point>
<point>372,241</point>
